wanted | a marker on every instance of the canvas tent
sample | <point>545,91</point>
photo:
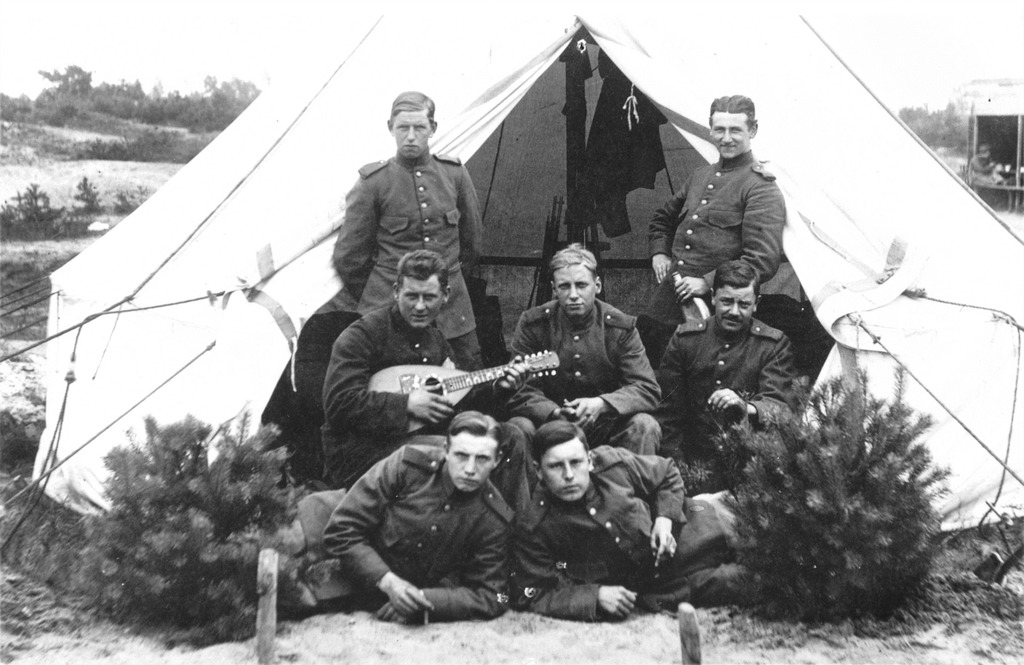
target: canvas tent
<point>206,286</point>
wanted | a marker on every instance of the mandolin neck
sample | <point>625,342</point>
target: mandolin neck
<point>470,379</point>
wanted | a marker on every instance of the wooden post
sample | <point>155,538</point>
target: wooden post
<point>689,634</point>
<point>266,611</point>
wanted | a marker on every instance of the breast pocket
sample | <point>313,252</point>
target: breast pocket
<point>394,224</point>
<point>725,219</point>
<point>453,217</point>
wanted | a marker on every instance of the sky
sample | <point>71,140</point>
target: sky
<point>908,53</point>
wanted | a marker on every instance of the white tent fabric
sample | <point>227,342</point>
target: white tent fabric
<point>245,231</point>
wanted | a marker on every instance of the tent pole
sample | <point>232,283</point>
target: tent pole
<point>909,131</point>
<point>577,70</point>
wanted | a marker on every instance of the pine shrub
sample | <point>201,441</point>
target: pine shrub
<point>179,547</point>
<point>88,197</point>
<point>836,513</point>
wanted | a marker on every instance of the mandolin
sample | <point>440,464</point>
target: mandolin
<point>448,381</point>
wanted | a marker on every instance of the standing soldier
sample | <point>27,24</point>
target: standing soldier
<point>731,209</point>
<point>415,200</point>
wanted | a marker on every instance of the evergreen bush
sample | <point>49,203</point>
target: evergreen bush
<point>180,544</point>
<point>88,197</point>
<point>30,217</point>
<point>835,516</point>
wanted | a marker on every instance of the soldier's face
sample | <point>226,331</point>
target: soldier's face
<point>565,470</point>
<point>730,134</point>
<point>470,460</point>
<point>412,131</point>
<point>734,308</point>
<point>419,300</point>
<point>576,290</point>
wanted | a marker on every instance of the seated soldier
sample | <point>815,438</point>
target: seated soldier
<point>363,426</point>
<point>605,383</point>
<point>724,370</point>
<point>423,536</point>
<point>601,536</point>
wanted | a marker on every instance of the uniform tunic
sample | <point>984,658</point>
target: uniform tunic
<point>362,426</point>
<point>565,551</point>
<point>757,364</point>
<point>600,357</point>
<point>728,210</point>
<point>397,206</point>
<point>406,516</point>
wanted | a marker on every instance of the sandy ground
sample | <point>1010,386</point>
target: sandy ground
<point>529,639</point>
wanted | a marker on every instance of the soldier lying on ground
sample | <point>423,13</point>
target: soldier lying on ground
<point>608,532</point>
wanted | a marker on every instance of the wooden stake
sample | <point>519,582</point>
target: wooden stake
<point>266,611</point>
<point>689,634</point>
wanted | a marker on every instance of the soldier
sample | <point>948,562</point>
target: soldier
<point>728,369</point>
<point>424,535</point>
<point>415,200</point>
<point>363,426</point>
<point>728,210</point>
<point>605,383</point>
<point>608,531</point>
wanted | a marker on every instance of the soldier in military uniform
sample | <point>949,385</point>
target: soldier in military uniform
<point>424,534</point>
<point>415,200</point>
<point>608,532</point>
<point>362,426</point>
<point>731,209</point>
<point>725,370</point>
<point>604,383</point>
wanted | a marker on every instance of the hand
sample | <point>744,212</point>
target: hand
<point>587,409</point>
<point>723,400</point>
<point>616,601</point>
<point>564,413</point>
<point>429,407</point>
<point>661,264</point>
<point>515,376</point>
<point>387,612</point>
<point>404,598</point>
<point>663,543</point>
<point>689,287</point>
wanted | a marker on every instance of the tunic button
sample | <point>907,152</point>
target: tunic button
<point>757,329</point>
<point>426,221</point>
<point>426,360</point>
<point>415,346</point>
<point>696,217</point>
<point>419,174</point>
<point>617,539</point>
<point>542,502</point>
<point>711,186</point>
<point>718,383</point>
<point>718,174</point>
<point>721,362</point>
<point>426,239</point>
<point>687,247</point>
<point>433,463</point>
<point>727,345</point>
<point>679,262</point>
<point>593,511</point>
<point>608,317</point>
<point>607,525</point>
<point>576,338</point>
<point>419,546</point>
<point>423,205</point>
<point>433,528</point>
<point>578,374</point>
<point>689,232</point>
<point>703,202</point>
<point>421,188</point>
<point>447,507</point>
<point>576,357</point>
